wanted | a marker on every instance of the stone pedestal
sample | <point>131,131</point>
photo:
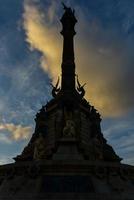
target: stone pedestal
<point>67,150</point>
<point>66,180</point>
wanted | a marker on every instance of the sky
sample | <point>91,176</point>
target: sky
<point>30,58</point>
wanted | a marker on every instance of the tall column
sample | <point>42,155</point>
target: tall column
<point>68,21</point>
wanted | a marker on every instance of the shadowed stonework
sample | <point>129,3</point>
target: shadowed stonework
<point>67,156</point>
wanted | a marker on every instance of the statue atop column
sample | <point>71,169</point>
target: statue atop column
<point>68,21</point>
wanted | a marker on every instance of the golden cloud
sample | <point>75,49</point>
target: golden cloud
<point>17,132</point>
<point>43,38</point>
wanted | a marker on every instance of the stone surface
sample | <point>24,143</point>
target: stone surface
<point>66,180</point>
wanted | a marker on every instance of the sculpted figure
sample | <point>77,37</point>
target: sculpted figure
<point>40,148</point>
<point>68,9</point>
<point>98,148</point>
<point>69,129</point>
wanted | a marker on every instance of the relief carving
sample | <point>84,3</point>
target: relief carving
<point>69,129</point>
<point>40,150</point>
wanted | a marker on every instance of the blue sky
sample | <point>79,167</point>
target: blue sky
<point>30,56</point>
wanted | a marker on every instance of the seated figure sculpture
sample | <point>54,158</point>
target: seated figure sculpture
<point>69,129</point>
<point>40,151</point>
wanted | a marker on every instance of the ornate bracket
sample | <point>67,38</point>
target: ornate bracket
<point>80,88</point>
<point>55,89</point>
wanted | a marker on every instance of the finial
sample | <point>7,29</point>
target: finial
<point>68,8</point>
<point>64,6</point>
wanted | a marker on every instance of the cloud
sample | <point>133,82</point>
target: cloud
<point>42,36</point>
<point>4,139</point>
<point>23,86</point>
<point>121,137</point>
<point>4,159</point>
<point>16,132</point>
<point>102,59</point>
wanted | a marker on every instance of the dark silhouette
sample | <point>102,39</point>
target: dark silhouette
<point>67,156</point>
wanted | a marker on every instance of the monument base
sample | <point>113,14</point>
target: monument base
<point>66,180</point>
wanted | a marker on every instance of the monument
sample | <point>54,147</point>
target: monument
<point>67,156</point>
